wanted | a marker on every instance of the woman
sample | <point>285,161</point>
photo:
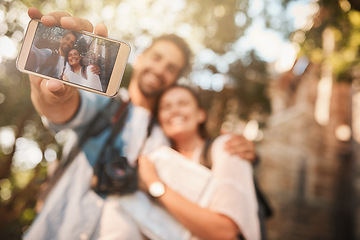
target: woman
<point>79,73</point>
<point>232,210</point>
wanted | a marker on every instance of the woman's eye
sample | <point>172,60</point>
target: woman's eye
<point>164,107</point>
<point>183,103</point>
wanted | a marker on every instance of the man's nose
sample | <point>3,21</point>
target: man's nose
<point>160,68</point>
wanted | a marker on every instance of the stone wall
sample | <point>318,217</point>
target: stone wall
<point>306,171</point>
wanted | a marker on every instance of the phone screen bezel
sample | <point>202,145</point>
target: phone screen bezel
<point>117,72</point>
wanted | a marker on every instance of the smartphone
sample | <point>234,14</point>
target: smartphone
<point>79,59</point>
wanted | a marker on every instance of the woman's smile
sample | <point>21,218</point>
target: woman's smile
<point>179,113</point>
<point>74,57</point>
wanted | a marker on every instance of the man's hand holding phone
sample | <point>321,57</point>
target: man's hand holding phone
<point>51,97</point>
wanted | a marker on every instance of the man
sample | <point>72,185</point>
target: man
<point>51,62</point>
<point>73,210</point>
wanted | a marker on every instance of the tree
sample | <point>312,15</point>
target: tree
<point>343,21</point>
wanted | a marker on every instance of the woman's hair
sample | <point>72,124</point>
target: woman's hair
<point>83,67</point>
<point>202,126</point>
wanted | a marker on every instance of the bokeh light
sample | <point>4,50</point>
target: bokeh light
<point>7,139</point>
<point>27,155</point>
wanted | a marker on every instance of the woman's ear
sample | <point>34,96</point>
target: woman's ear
<point>201,116</point>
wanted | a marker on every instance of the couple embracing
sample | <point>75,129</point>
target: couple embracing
<point>64,63</point>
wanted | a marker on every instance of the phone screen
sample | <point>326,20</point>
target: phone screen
<point>76,57</point>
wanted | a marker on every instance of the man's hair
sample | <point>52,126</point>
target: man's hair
<point>182,45</point>
<point>69,32</point>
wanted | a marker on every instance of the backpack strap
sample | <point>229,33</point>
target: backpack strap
<point>96,126</point>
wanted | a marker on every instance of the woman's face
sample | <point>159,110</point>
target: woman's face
<point>179,114</point>
<point>74,57</point>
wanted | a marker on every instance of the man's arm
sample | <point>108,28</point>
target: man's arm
<point>37,57</point>
<point>51,98</point>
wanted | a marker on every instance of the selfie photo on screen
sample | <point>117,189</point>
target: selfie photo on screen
<point>72,56</point>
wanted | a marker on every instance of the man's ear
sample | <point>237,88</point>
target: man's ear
<point>137,61</point>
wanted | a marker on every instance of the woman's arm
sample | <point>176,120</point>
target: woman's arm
<point>202,222</point>
<point>236,197</point>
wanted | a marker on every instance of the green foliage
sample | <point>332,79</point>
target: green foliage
<point>344,25</point>
<point>252,82</point>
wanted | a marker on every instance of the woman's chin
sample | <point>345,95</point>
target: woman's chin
<point>178,135</point>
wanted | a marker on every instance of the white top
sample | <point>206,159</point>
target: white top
<point>92,81</point>
<point>235,195</point>
<point>226,188</point>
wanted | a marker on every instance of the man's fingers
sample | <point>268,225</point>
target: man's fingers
<point>248,156</point>
<point>65,20</point>
<point>230,145</point>
<point>59,89</point>
<point>35,80</point>
<point>55,86</point>
<point>101,30</point>
<point>34,13</point>
<point>76,24</point>
<point>54,18</point>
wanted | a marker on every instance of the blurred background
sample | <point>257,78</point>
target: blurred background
<point>285,73</point>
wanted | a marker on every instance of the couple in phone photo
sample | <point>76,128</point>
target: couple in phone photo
<point>64,63</point>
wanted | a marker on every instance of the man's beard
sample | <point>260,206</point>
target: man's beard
<point>65,48</point>
<point>149,92</point>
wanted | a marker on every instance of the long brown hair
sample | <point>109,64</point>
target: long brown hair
<point>83,67</point>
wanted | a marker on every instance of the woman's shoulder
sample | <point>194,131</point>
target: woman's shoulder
<point>88,69</point>
<point>220,140</point>
<point>219,153</point>
<point>217,148</point>
<point>90,74</point>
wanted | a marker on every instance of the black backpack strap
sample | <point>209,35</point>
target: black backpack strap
<point>101,121</point>
<point>96,126</point>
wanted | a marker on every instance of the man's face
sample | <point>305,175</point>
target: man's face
<point>67,42</point>
<point>158,67</point>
